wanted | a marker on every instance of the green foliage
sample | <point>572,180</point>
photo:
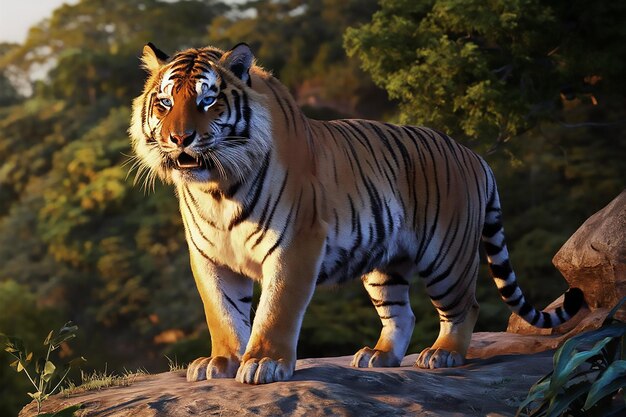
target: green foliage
<point>41,372</point>
<point>300,42</point>
<point>491,70</point>
<point>585,380</point>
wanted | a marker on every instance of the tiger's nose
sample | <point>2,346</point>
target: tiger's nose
<point>184,139</point>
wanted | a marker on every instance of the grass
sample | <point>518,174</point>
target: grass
<point>99,380</point>
<point>174,365</point>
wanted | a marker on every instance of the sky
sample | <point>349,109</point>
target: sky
<point>17,16</point>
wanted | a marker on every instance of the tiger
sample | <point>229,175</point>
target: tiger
<point>269,195</point>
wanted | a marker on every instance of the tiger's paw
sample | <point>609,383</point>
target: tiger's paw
<point>373,358</point>
<point>433,358</point>
<point>264,371</point>
<point>212,367</point>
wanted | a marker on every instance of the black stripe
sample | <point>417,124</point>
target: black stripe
<point>536,317</point>
<point>232,190</point>
<point>352,214</point>
<point>237,106</point>
<point>261,221</point>
<point>267,224</point>
<point>547,319</point>
<point>525,309</point>
<point>232,303</point>
<point>223,99</point>
<point>385,303</point>
<point>515,302</point>
<point>256,187</point>
<point>501,271</point>
<point>559,314</point>
<point>376,208</point>
<point>281,237</point>
<point>280,104</point>
<point>196,205</point>
<point>246,115</point>
<point>489,230</point>
<point>204,255</point>
<point>492,249</point>
<point>508,290</point>
<point>193,219</point>
<point>393,279</point>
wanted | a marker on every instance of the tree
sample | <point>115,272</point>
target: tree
<point>488,71</point>
<point>300,42</point>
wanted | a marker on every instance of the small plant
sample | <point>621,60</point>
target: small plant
<point>42,372</point>
<point>585,382</point>
<point>174,365</point>
<point>98,380</point>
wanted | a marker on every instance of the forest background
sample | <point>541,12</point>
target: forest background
<point>537,89</point>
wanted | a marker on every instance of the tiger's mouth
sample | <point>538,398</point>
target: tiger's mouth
<point>188,162</point>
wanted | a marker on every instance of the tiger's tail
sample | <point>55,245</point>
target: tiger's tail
<point>504,277</point>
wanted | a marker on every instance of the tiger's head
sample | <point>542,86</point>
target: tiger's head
<point>198,119</point>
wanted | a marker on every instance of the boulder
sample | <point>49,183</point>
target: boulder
<point>594,260</point>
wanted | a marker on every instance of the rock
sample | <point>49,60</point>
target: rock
<point>594,260</point>
<point>487,385</point>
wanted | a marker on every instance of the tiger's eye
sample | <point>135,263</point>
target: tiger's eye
<point>166,102</point>
<point>207,101</point>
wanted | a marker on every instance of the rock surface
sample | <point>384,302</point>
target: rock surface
<point>485,386</point>
<point>594,260</point>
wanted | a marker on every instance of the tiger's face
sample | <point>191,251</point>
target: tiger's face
<point>198,120</point>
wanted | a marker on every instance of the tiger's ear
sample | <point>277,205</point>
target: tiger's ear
<point>153,58</point>
<point>239,60</point>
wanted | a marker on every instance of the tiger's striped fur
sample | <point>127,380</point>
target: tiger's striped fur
<point>269,195</point>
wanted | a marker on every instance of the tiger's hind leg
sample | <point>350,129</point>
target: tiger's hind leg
<point>456,304</point>
<point>389,292</point>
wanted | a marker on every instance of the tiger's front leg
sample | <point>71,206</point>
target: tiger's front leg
<point>289,277</point>
<point>227,297</point>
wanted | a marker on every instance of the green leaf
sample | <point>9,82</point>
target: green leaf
<point>610,317</point>
<point>561,403</point>
<point>48,338</point>
<point>13,344</point>
<point>613,378</point>
<point>35,395</point>
<point>537,392</point>
<point>77,362</point>
<point>40,365</point>
<point>48,371</point>
<point>570,347</point>
<point>566,365</point>
<point>67,332</point>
